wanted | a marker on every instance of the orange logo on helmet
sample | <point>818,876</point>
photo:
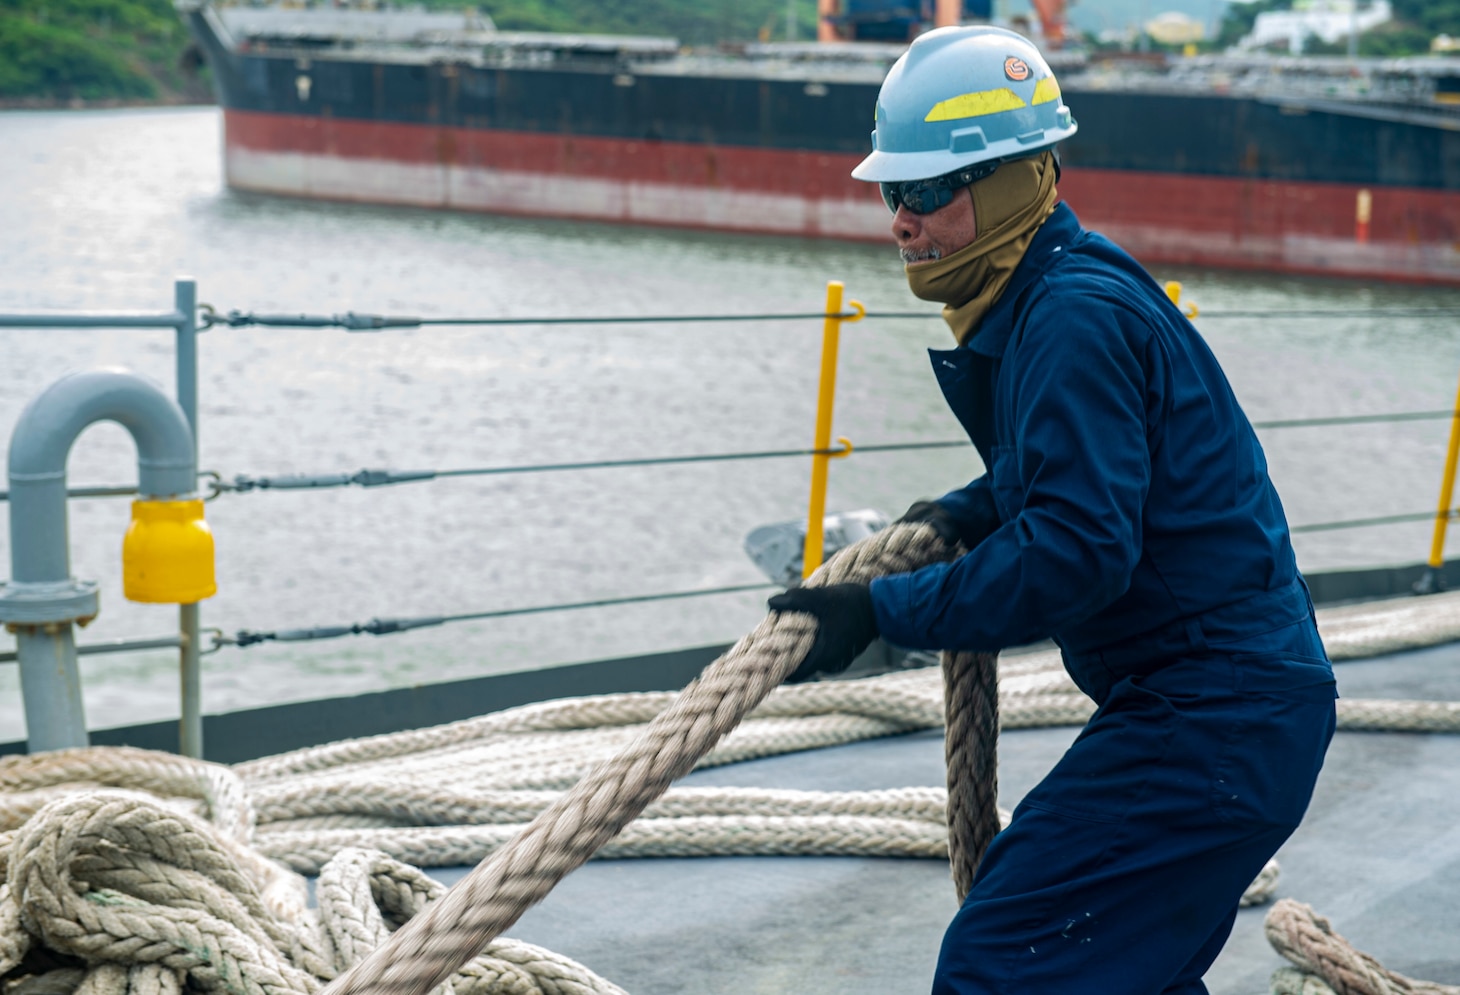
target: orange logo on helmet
<point>1016,69</point>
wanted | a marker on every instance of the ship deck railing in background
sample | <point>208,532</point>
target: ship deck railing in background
<point>188,318</point>
<point>215,485</point>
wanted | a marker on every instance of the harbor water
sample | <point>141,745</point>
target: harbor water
<point>102,209</point>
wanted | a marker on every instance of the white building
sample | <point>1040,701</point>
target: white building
<point>1175,28</point>
<point>1330,20</point>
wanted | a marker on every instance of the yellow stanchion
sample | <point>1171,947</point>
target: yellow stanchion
<point>825,399</point>
<point>1173,291</point>
<point>1442,514</point>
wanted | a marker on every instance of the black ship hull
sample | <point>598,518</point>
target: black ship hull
<point>1292,184</point>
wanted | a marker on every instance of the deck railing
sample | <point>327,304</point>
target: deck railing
<point>187,318</point>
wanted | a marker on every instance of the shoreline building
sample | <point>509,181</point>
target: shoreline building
<point>1328,20</point>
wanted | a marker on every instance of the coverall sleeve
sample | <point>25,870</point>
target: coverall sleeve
<point>973,508</point>
<point>1073,485</point>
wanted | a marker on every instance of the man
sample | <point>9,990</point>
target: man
<point>1127,514</point>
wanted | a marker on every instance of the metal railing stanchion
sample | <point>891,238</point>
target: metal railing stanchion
<point>825,399</point>
<point>190,725</point>
<point>1434,578</point>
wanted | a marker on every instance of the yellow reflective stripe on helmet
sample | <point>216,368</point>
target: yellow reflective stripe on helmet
<point>975,105</point>
<point>1045,91</point>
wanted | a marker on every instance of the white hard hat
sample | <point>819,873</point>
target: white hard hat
<point>961,96</point>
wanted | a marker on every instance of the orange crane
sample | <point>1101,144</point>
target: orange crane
<point>1052,21</point>
<point>897,20</point>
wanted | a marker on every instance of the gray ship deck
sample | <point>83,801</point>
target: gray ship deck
<point>1379,854</point>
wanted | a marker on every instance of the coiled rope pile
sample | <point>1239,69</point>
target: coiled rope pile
<point>128,871</point>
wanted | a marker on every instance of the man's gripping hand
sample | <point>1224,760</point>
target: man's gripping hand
<point>934,514</point>
<point>976,520</point>
<point>845,625</point>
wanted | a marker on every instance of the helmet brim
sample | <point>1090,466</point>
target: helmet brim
<point>897,167</point>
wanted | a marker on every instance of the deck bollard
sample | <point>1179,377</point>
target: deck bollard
<point>42,601</point>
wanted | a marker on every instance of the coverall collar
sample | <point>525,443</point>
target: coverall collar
<point>993,333</point>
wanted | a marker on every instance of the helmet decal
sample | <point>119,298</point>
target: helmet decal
<point>1016,69</point>
<point>1045,91</point>
<point>975,105</point>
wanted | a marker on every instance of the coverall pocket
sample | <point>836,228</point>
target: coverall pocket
<point>1115,763</point>
<point>1008,490</point>
<point>1283,719</point>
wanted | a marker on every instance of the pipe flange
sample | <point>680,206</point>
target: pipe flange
<point>24,603</point>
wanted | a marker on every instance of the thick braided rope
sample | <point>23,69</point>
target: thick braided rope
<point>1353,632</point>
<point>519,874</point>
<point>1327,964</point>
<point>1035,690</point>
<point>112,877</point>
<point>29,782</point>
<point>158,902</point>
<point>364,896</point>
<point>970,746</point>
<point>716,820</point>
<point>685,836</point>
<point>904,822</point>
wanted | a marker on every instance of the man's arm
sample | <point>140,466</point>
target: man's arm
<point>967,515</point>
<point>974,510</point>
<point>1082,462</point>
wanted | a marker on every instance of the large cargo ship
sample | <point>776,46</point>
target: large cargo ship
<point>1311,165</point>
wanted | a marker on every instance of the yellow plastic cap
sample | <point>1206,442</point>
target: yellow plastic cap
<point>167,555</point>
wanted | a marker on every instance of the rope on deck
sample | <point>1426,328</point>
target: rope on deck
<point>155,902</point>
<point>1327,964</point>
<point>519,874</point>
<point>101,845</point>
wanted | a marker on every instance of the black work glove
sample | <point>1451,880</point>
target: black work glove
<point>953,529</point>
<point>845,625</point>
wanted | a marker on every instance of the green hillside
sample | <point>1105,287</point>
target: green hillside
<point>60,50</point>
<point>1415,23</point>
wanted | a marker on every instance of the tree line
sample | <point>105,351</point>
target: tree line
<point>55,51</point>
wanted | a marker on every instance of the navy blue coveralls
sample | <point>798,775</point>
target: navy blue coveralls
<point>1140,531</point>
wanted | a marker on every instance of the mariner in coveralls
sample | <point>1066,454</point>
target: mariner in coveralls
<point>1126,513</point>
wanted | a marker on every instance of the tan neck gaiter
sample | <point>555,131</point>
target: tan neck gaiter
<point>1008,208</point>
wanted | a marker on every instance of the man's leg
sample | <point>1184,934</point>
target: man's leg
<point>1121,870</point>
<point>1141,917</point>
<point>1189,982</point>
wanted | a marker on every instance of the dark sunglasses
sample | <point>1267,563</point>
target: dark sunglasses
<point>926,196</point>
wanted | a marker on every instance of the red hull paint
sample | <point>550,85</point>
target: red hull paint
<point>1414,234</point>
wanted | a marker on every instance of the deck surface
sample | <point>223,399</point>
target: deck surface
<point>1379,854</point>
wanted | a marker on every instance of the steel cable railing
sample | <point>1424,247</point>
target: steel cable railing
<point>373,477</point>
<point>362,321</point>
<point>208,317</point>
<point>390,626</point>
<point>352,321</point>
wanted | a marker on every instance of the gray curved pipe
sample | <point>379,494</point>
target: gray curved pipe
<point>41,443</point>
